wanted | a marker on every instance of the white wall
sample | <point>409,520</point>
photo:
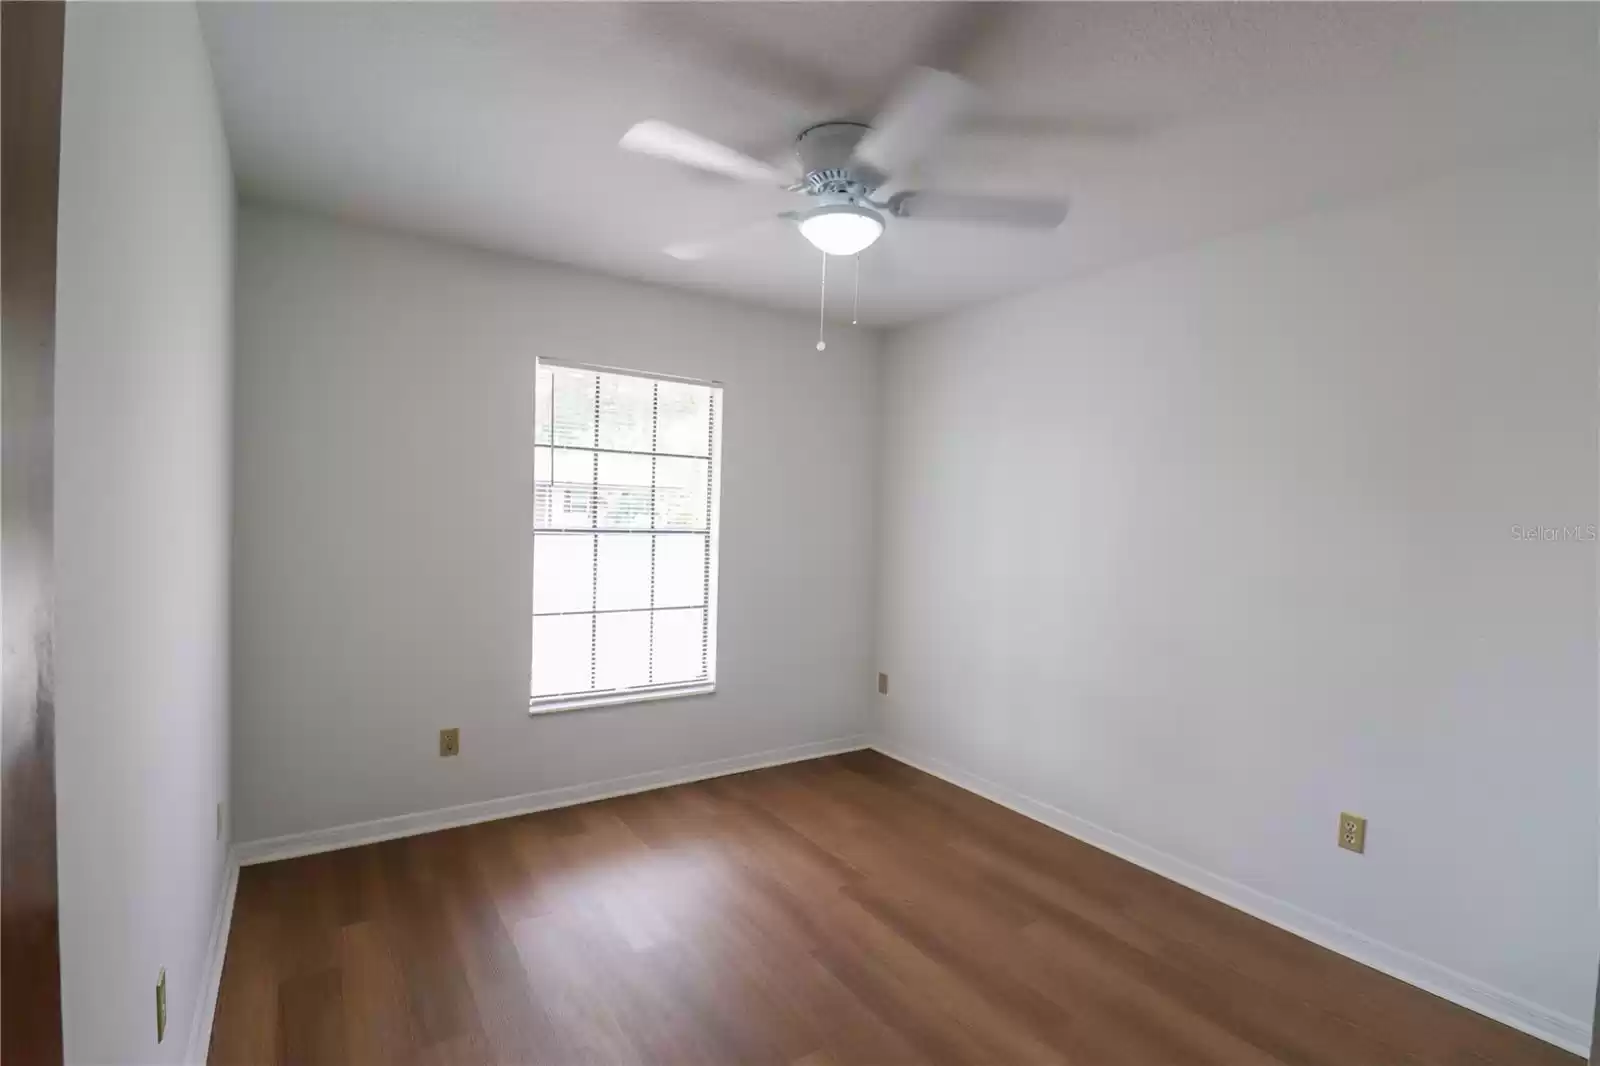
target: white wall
<point>143,342</point>
<point>1210,548</point>
<point>382,531</point>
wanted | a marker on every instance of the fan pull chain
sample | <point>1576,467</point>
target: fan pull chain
<point>855,304</point>
<point>822,310</point>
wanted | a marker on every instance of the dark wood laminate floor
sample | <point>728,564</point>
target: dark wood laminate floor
<point>847,910</point>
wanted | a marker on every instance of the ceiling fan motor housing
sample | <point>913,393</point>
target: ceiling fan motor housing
<point>825,151</point>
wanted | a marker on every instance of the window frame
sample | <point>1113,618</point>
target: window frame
<point>542,705</point>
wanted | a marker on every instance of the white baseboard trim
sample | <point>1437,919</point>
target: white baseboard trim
<point>1552,1026</point>
<point>205,1004</point>
<point>271,849</point>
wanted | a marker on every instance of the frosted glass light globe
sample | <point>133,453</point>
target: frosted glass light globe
<point>844,229</point>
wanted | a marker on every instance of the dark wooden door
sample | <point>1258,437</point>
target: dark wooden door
<point>30,954</point>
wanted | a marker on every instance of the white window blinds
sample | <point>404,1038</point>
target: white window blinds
<point>626,485</point>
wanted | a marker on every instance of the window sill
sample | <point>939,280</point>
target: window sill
<point>615,699</point>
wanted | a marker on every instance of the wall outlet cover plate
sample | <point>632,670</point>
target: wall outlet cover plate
<point>161,1006</point>
<point>1352,832</point>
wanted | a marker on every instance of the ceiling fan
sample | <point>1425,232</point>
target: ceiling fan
<point>843,168</point>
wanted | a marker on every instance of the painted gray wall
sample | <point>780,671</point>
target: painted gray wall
<point>143,342</point>
<point>1207,549</point>
<point>383,567</point>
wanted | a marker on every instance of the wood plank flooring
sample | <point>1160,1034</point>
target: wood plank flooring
<point>843,911</point>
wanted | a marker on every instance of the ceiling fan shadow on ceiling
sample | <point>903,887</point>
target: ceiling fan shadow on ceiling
<point>843,168</point>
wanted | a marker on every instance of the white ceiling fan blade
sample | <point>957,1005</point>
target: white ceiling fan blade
<point>1022,212</point>
<point>963,32</point>
<point>702,35</point>
<point>663,141</point>
<point>694,251</point>
<point>919,113</point>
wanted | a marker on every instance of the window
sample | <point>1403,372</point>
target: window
<point>625,485</point>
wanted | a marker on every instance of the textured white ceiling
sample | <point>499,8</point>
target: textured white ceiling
<point>497,124</point>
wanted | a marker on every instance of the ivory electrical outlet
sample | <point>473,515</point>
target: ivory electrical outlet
<point>1352,832</point>
<point>449,742</point>
<point>883,684</point>
<point>161,1005</point>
